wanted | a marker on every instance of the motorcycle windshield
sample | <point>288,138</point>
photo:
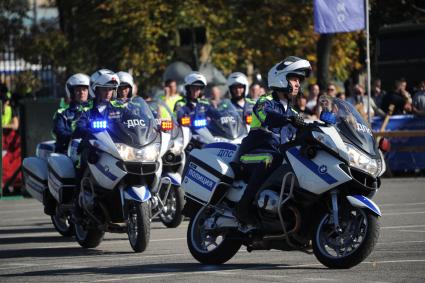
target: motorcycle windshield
<point>352,126</point>
<point>162,112</point>
<point>224,121</point>
<point>137,127</point>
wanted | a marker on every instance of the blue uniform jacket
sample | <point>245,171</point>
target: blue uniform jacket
<point>246,110</point>
<point>63,124</point>
<point>270,125</point>
<point>114,110</point>
<point>185,108</point>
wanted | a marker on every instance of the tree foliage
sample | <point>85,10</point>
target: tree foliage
<point>12,15</point>
<point>142,36</point>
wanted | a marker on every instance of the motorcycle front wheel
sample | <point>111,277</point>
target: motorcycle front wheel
<point>62,223</point>
<point>356,239</point>
<point>138,225</point>
<point>209,246</point>
<point>171,215</point>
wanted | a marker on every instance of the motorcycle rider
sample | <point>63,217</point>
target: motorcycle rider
<point>103,88</point>
<point>274,123</point>
<point>77,91</point>
<point>194,83</point>
<point>125,89</point>
<point>238,88</point>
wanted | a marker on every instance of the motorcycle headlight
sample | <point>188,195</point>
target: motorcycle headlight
<point>363,162</point>
<point>177,147</point>
<point>147,153</point>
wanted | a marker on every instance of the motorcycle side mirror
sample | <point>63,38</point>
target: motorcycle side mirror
<point>328,117</point>
<point>384,145</point>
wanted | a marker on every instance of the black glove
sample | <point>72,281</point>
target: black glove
<point>297,121</point>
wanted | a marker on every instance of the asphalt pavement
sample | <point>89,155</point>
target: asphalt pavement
<point>32,251</point>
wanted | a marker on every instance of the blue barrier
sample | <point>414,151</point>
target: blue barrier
<point>407,153</point>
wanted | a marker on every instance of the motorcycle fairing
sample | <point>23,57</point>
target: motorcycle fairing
<point>319,174</point>
<point>225,151</point>
<point>140,194</point>
<point>362,201</point>
<point>176,178</point>
<point>106,172</point>
<point>104,143</point>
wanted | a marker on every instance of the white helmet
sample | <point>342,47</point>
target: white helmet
<point>238,78</point>
<point>126,79</point>
<point>291,66</point>
<point>76,80</point>
<point>194,78</point>
<point>103,78</point>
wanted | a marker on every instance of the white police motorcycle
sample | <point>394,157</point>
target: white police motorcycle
<point>57,206</point>
<point>170,210</point>
<point>119,187</point>
<point>319,196</point>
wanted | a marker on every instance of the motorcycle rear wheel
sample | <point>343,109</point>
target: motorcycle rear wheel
<point>138,225</point>
<point>359,235</point>
<point>209,247</point>
<point>88,238</point>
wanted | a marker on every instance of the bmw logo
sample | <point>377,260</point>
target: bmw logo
<point>323,169</point>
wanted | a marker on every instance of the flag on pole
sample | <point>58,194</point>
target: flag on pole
<point>333,16</point>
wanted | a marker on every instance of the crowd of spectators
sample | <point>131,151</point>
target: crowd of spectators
<point>402,100</point>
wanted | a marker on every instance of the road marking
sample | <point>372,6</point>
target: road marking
<point>401,204</point>
<point>412,231</point>
<point>400,242</point>
<point>403,213</point>
<point>405,226</point>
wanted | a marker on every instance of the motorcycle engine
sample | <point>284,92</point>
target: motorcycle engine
<point>268,200</point>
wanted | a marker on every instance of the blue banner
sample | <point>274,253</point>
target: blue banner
<point>407,153</point>
<point>333,16</point>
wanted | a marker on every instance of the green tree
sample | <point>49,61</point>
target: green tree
<point>12,15</point>
<point>143,36</point>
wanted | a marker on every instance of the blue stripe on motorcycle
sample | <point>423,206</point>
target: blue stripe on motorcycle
<point>312,166</point>
<point>223,145</point>
<point>368,203</point>
<point>106,173</point>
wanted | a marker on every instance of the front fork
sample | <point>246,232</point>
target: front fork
<point>335,212</point>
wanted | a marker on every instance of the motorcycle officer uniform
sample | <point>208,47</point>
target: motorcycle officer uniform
<point>243,104</point>
<point>76,89</point>
<point>274,123</point>
<point>194,83</point>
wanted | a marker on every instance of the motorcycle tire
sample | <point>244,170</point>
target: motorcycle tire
<point>89,238</point>
<point>173,216</point>
<point>223,252</point>
<point>138,225</point>
<point>361,236</point>
<point>62,224</point>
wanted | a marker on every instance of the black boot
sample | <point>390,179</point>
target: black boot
<point>245,212</point>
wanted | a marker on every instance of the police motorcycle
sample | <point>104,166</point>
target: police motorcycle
<point>171,195</point>
<point>216,124</point>
<point>318,198</point>
<point>36,170</point>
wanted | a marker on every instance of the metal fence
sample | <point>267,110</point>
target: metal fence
<point>11,66</point>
